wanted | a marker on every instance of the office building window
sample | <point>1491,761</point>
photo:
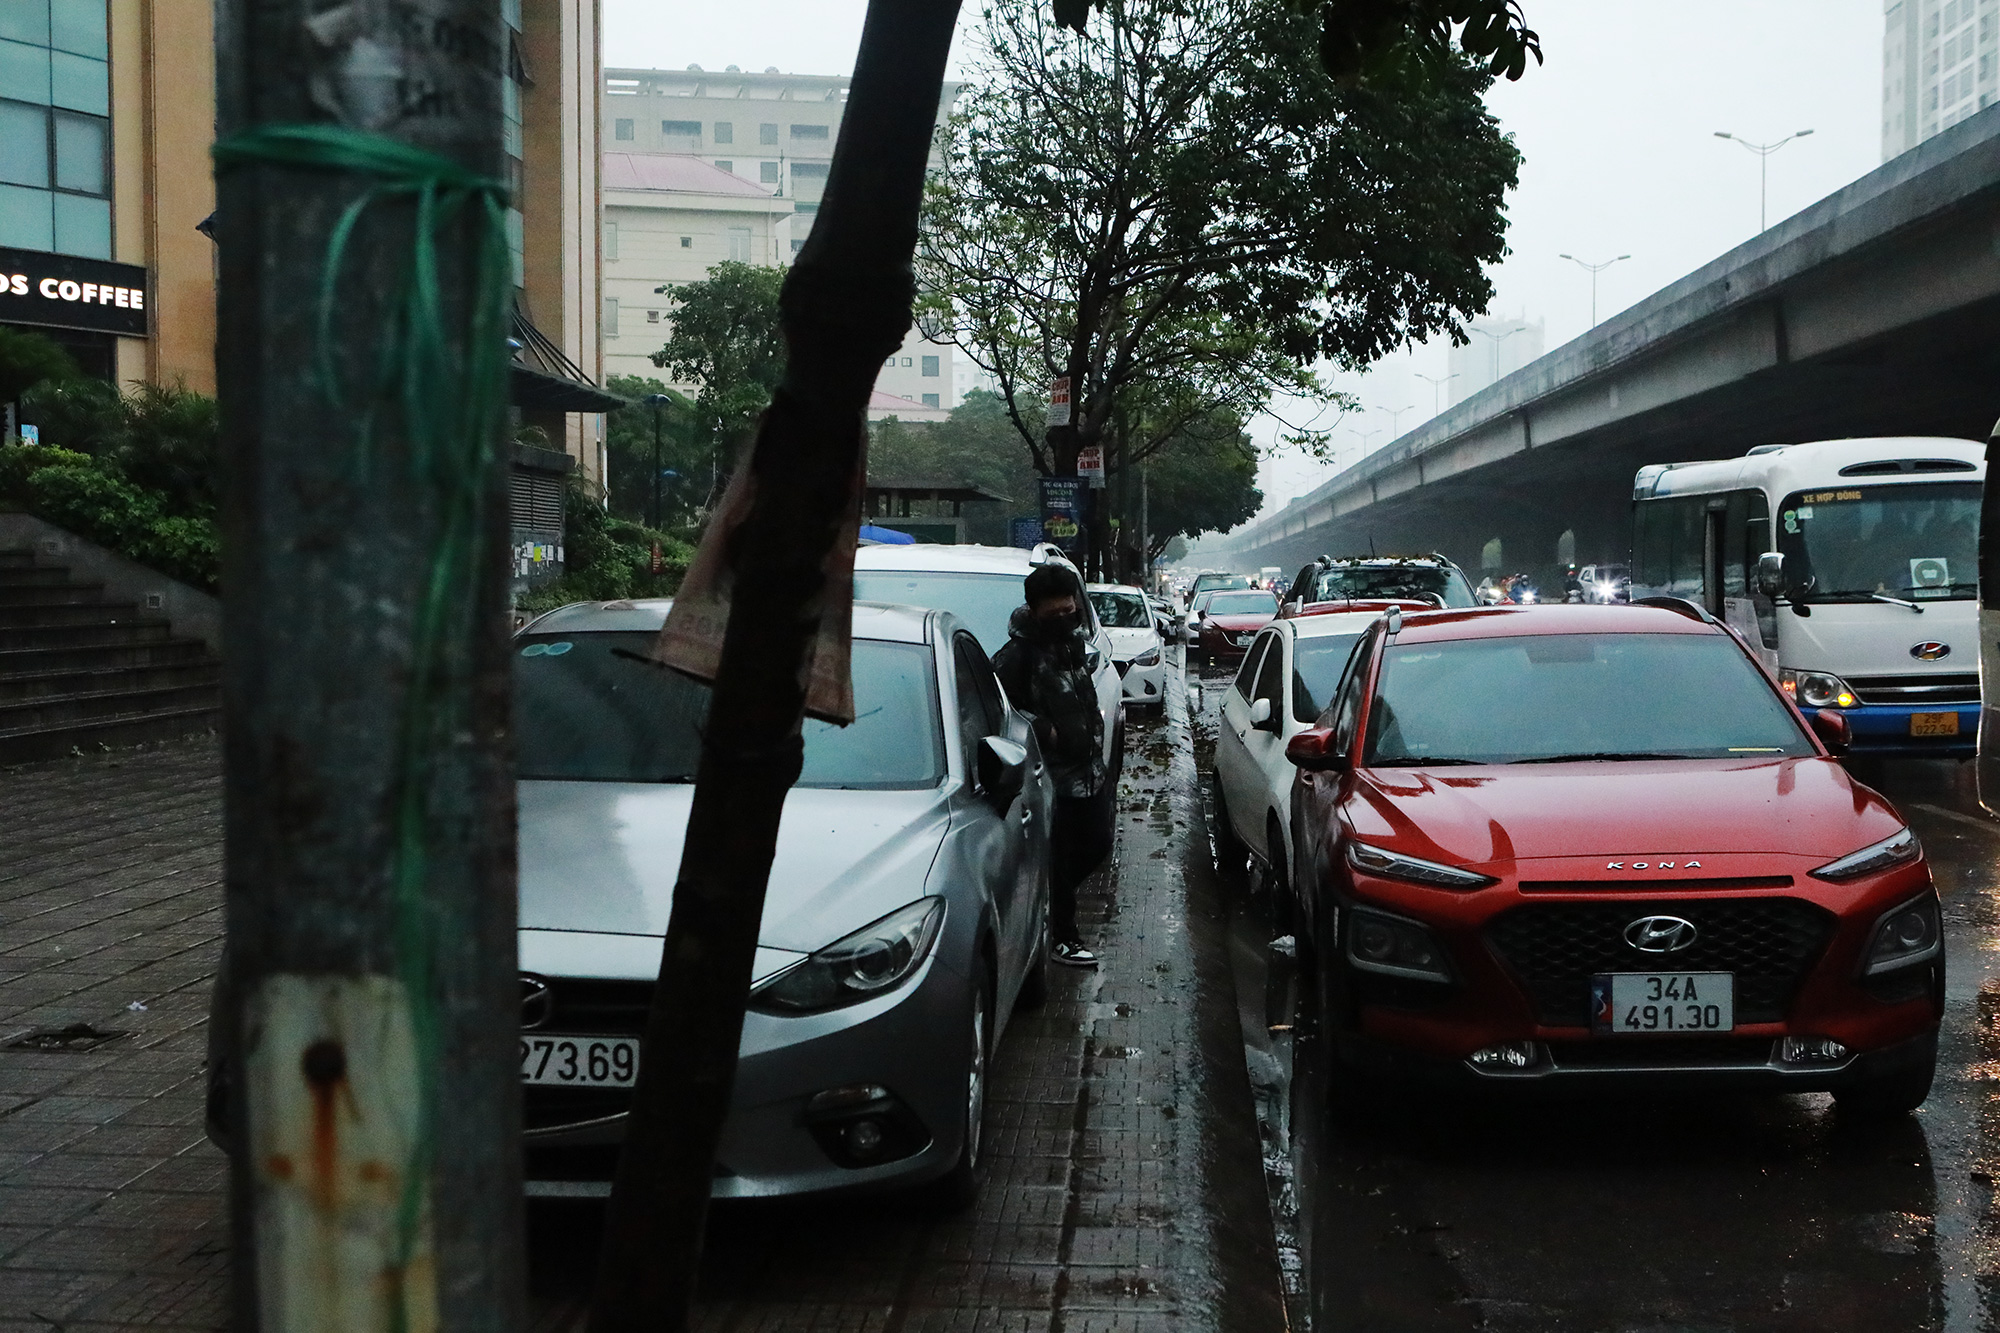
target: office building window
<point>930,365</point>
<point>930,400</point>
<point>739,244</point>
<point>690,128</point>
<point>809,132</point>
<point>687,242</point>
<point>767,134</point>
<point>906,361</point>
<point>798,246</point>
<point>611,240</point>
<point>652,316</point>
<point>725,132</point>
<point>621,129</point>
<point>726,166</point>
<point>767,172</point>
<point>55,128</point>
<point>611,317</point>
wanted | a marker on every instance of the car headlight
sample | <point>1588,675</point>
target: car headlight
<point>1891,851</point>
<point>1394,865</point>
<point>1151,657</point>
<point>1912,933</point>
<point>875,958</point>
<point>1817,689</point>
<point>1393,947</point>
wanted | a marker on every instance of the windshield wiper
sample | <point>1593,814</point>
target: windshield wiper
<point>1857,595</point>
<point>1595,755</point>
<point>1897,601</point>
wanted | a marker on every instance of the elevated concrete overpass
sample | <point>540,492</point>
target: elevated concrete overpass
<point>1876,311</point>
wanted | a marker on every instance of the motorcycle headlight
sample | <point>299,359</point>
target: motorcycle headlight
<point>1891,851</point>
<point>1912,933</point>
<point>1817,689</point>
<point>1151,657</point>
<point>875,958</point>
<point>1394,865</point>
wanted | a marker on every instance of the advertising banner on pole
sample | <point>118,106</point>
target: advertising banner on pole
<point>1090,466</point>
<point>1062,512</point>
<point>1025,533</point>
<point>1059,401</point>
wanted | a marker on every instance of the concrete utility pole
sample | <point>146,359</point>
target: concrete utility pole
<point>1594,270</point>
<point>1763,152</point>
<point>370,1009</point>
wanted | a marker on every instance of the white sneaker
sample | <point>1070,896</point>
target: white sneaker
<point>1071,953</point>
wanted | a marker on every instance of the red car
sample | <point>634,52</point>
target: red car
<point>1596,846</point>
<point>1229,621</point>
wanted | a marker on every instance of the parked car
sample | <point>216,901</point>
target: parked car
<point>1168,618</point>
<point>1377,582</point>
<point>1596,846</point>
<point>981,585</point>
<point>1228,621</point>
<point>1136,648</point>
<point>1287,679</point>
<point>908,907</point>
<point>1211,581</point>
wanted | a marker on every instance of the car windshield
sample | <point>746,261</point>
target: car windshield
<point>1217,582</point>
<point>1317,666</point>
<point>1418,582</point>
<point>1242,604</point>
<point>1918,541</point>
<point>595,708</point>
<point>1543,698</point>
<point>1122,610</point>
<point>982,601</point>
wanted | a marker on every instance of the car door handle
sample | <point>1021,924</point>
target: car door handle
<point>1027,814</point>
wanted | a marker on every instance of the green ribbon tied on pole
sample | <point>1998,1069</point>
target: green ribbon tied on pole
<point>446,386</point>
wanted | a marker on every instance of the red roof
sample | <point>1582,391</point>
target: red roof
<point>675,171</point>
<point>889,402</point>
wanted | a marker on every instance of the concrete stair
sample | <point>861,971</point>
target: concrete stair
<point>79,670</point>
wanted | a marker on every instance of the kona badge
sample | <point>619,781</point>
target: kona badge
<point>538,1002</point>
<point>1930,650</point>
<point>1652,865</point>
<point>1660,934</point>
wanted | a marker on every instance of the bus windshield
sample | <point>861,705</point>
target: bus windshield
<point>1918,541</point>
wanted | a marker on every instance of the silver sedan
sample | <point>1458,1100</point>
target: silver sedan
<point>907,912</point>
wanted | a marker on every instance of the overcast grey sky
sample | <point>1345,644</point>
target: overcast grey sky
<point>1617,129</point>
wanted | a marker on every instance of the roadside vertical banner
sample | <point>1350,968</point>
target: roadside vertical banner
<point>1062,512</point>
<point>1025,533</point>
<point>1090,465</point>
<point>1059,401</point>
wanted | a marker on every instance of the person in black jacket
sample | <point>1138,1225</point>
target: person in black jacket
<point>1045,667</point>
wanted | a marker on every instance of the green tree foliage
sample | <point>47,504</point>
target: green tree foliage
<point>93,499</point>
<point>607,558</point>
<point>27,359</point>
<point>977,446</point>
<point>725,340</point>
<point>1204,481</point>
<point>686,449</point>
<point>1186,197</point>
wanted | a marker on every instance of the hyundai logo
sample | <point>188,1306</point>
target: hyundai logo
<point>1930,650</point>
<point>1660,934</point>
<point>538,1002</point>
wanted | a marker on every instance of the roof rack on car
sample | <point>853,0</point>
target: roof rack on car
<point>1679,606</point>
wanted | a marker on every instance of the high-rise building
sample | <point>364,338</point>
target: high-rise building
<point>1939,65</point>
<point>704,166</point>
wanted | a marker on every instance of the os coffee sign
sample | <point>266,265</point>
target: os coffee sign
<point>65,292</point>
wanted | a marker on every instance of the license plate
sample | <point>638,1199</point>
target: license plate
<point>1934,724</point>
<point>1648,1003</point>
<point>580,1062</point>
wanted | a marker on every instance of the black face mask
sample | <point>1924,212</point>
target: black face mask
<point>1058,625</point>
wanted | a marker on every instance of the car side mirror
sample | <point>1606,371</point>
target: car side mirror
<point>1260,714</point>
<point>1002,767</point>
<point>1831,726</point>
<point>1314,749</point>
<point>1770,575</point>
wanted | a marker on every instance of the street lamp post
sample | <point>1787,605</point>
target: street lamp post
<point>1594,270</point>
<point>1437,384</point>
<point>656,401</point>
<point>1395,418</point>
<point>1763,152</point>
<point>1364,436</point>
<point>1496,339</point>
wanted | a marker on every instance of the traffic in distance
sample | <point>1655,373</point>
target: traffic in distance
<point>1650,870</point>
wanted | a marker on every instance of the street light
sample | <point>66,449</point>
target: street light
<point>656,401</point>
<point>1395,418</point>
<point>1763,152</point>
<point>1595,269</point>
<point>1437,389</point>
<point>1497,339</point>
<point>1364,436</point>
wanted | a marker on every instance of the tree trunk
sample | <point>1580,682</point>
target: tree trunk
<point>369,980</point>
<point>846,306</point>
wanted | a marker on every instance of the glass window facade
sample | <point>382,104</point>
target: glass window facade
<point>55,127</point>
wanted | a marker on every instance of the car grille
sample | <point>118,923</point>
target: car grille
<point>594,1008</point>
<point>1123,667</point>
<point>1555,948</point>
<point>1716,884</point>
<point>1662,1053</point>
<point>1956,687</point>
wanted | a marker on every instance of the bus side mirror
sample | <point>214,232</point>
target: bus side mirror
<point>1770,576</point>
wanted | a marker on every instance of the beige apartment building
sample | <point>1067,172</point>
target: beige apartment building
<point>701,167</point>
<point>107,114</point>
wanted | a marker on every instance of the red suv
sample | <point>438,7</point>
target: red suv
<point>1596,846</point>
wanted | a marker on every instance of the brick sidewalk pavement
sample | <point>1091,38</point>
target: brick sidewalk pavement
<point>1124,1190</point>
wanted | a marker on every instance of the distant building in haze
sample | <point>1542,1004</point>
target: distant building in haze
<point>1939,65</point>
<point>1496,348</point>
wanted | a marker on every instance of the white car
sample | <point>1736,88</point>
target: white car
<point>981,585</point>
<point>1136,647</point>
<point>1289,673</point>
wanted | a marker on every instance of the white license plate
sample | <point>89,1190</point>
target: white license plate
<point>1656,1003</point>
<point>579,1062</point>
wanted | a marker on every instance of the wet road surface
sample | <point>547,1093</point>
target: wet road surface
<point>1657,1216</point>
